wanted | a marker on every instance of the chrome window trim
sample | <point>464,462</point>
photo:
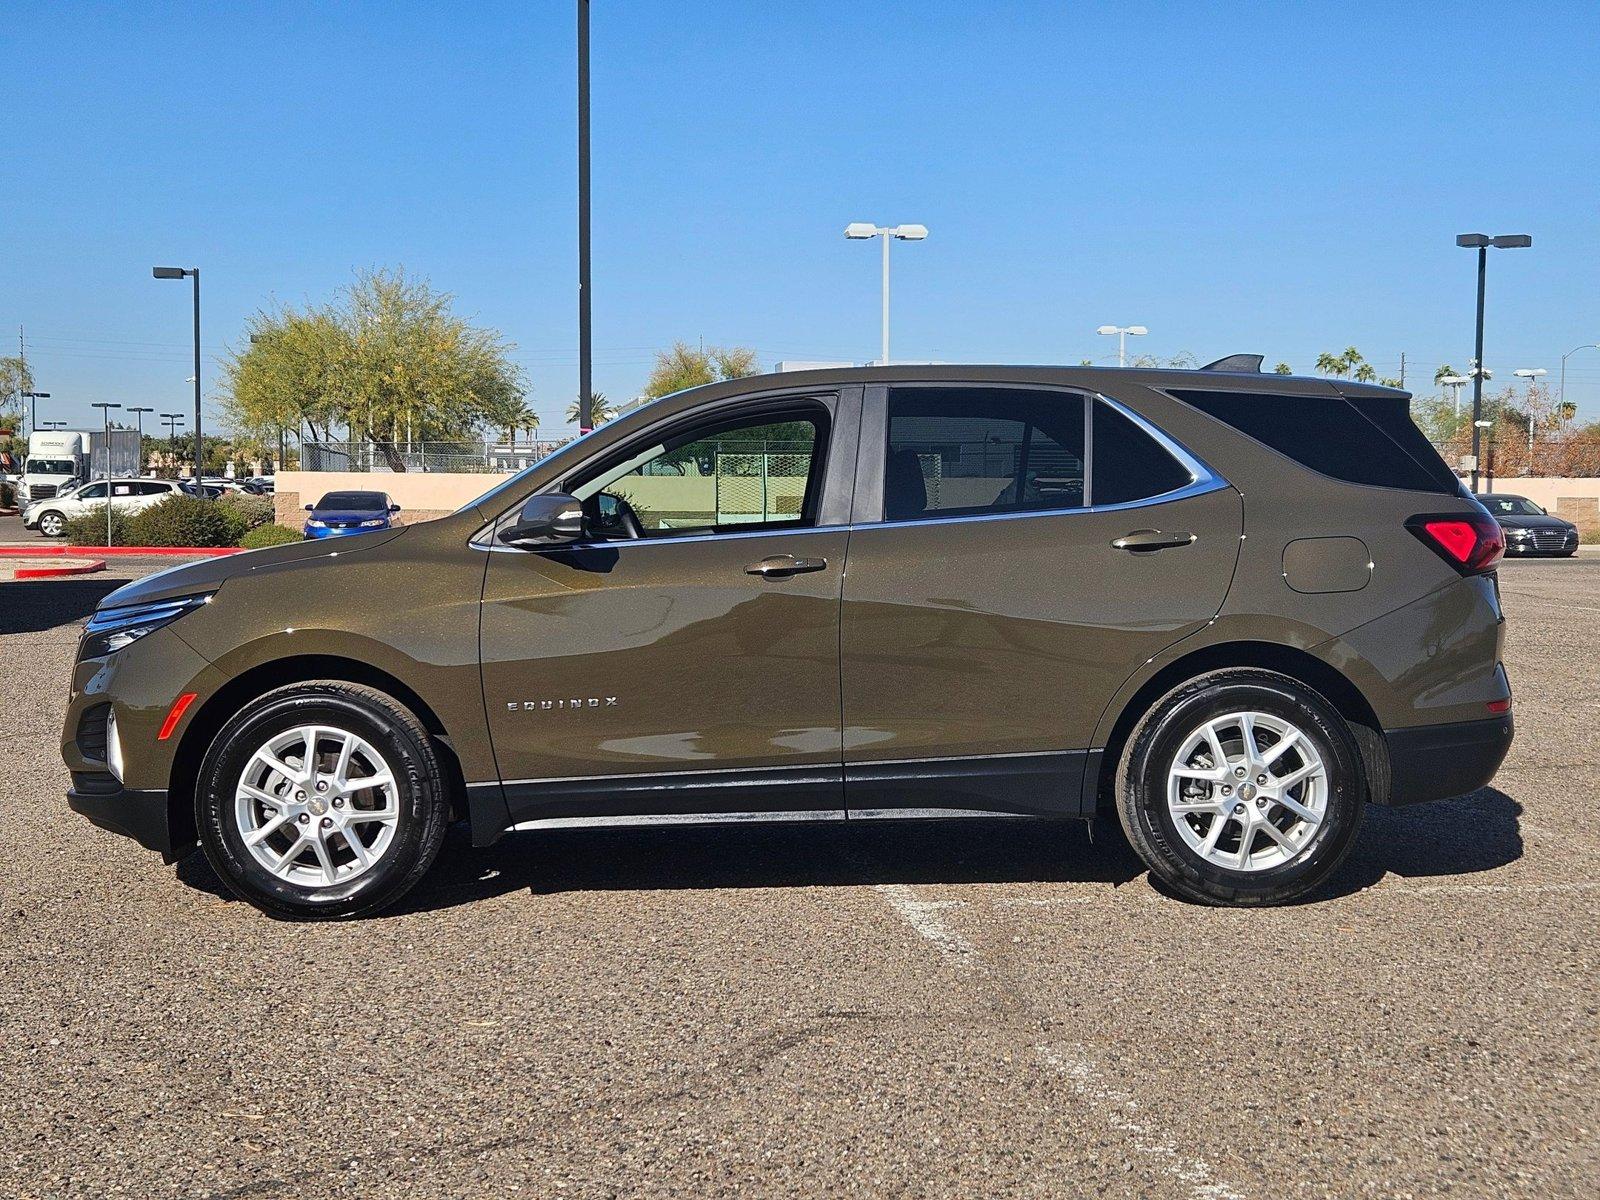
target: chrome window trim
<point>492,548</point>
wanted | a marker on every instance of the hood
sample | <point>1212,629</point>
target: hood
<point>209,574</point>
<point>1530,521</point>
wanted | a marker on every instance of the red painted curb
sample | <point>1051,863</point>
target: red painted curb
<point>125,551</point>
<point>87,568</point>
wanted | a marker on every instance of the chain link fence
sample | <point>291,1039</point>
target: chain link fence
<point>1510,453</point>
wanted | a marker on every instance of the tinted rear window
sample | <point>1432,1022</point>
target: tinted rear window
<point>1370,440</point>
<point>355,501</point>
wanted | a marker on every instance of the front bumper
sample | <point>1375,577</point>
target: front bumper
<point>1436,762</point>
<point>340,531</point>
<point>140,815</point>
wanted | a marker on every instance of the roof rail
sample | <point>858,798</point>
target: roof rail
<point>1250,364</point>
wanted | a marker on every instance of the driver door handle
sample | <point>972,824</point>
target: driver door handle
<point>781,566</point>
<point>1145,540</point>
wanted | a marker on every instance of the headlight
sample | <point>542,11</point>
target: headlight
<point>374,523</point>
<point>110,629</point>
<point>313,523</point>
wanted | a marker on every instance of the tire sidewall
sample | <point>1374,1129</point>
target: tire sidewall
<point>418,785</point>
<point>50,518</point>
<point>1155,747</point>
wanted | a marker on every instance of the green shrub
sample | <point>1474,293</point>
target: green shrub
<point>270,535</point>
<point>89,529</point>
<point>185,521</point>
<point>1590,536</point>
<point>250,512</point>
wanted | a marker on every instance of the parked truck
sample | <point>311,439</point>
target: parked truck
<point>59,457</point>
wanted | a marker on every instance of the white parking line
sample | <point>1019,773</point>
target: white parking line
<point>1091,1084</point>
<point>1528,889</point>
<point>923,916</point>
<point>1086,1079</point>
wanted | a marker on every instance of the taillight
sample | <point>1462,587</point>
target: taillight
<point>1472,543</point>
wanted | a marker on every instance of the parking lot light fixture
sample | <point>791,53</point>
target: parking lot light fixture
<point>192,273</point>
<point>1481,243</point>
<point>34,398</point>
<point>862,230</point>
<point>173,420</point>
<point>105,407</point>
<point>1123,332</point>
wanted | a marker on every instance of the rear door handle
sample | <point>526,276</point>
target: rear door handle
<point>1142,541</point>
<point>781,566</point>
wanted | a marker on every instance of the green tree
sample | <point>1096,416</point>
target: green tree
<point>601,410</point>
<point>15,378</point>
<point>1283,368</point>
<point>684,366</point>
<point>387,358</point>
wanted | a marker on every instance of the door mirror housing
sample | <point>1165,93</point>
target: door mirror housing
<point>394,508</point>
<point>547,520</point>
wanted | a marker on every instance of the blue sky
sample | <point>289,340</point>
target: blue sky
<point>1274,178</point>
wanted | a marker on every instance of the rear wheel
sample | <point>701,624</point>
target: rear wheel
<point>1241,787</point>
<point>322,800</point>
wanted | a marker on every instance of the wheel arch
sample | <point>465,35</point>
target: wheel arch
<point>1291,661</point>
<point>244,687</point>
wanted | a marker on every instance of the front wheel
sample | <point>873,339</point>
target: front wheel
<point>322,800</point>
<point>1241,787</point>
<point>53,524</point>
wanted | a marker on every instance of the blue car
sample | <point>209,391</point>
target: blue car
<point>339,513</point>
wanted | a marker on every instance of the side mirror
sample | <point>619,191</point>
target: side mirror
<point>394,508</point>
<point>310,508</point>
<point>546,520</point>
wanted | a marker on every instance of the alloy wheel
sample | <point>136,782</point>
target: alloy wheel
<point>317,805</point>
<point>1247,791</point>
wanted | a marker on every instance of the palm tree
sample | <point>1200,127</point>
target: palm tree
<point>520,417</point>
<point>1330,364</point>
<point>1444,369</point>
<point>1283,368</point>
<point>1364,373</point>
<point>601,410</point>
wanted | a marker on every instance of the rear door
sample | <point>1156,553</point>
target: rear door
<point>1016,553</point>
<point>692,669</point>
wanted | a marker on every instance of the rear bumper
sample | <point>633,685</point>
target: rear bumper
<point>140,815</point>
<point>1436,762</point>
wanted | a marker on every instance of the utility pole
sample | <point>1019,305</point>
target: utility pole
<point>1402,370</point>
<point>585,343</point>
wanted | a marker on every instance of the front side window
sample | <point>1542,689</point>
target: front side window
<point>758,473</point>
<point>959,451</point>
<point>95,491</point>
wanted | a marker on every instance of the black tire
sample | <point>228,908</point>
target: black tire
<point>52,520</point>
<point>1141,787</point>
<point>390,728</point>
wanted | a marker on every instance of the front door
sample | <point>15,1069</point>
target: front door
<point>684,658</point>
<point>1016,554</point>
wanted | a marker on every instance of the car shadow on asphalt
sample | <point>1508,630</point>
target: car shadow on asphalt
<point>1456,837</point>
<point>32,606</point>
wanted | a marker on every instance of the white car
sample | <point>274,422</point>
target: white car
<point>50,516</point>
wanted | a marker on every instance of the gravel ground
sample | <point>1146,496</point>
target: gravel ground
<point>920,1011</point>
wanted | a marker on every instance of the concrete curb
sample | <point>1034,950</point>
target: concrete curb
<point>115,551</point>
<point>83,568</point>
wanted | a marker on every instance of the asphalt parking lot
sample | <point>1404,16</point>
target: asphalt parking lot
<point>935,1010</point>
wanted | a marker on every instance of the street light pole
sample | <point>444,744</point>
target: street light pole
<point>173,420</point>
<point>1564,357</point>
<point>1481,243</point>
<point>1530,374</point>
<point>105,408</point>
<point>139,417</point>
<point>861,230</point>
<point>35,397</point>
<point>1122,332</point>
<point>194,273</point>
<point>585,332</point>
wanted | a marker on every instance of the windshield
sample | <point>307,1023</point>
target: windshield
<point>356,501</point>
<point>1511,506</point>
<point>51,466</point>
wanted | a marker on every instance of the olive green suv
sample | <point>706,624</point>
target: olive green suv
<point>1233,607</point>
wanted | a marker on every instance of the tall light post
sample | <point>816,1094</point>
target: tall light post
<point>1564,357</point>
<point>35,397</point>
<point>105,408</point>
<point>1530,374</point>
<point>861,231</point>
<point>1123,332</point>
<point>173,420</point>
<point>1481,243</point>
<point>194,273</point>
<point>1455,383</point>
<point>138,414</point>
<point>585,333</point>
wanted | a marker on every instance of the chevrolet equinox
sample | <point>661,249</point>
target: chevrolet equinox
<point>1235,608</point>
